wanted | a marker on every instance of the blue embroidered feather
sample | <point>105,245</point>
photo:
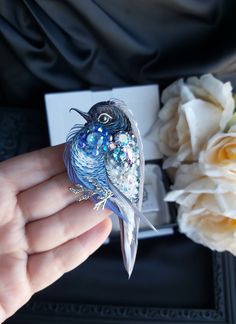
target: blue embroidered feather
<point>104,160</point>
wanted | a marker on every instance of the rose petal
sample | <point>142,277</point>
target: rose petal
<point>214,231</point>
<point>169,110</point>
<point>208,159</point>
<point>195,110</point>
<point>223,94</point>
<point>172,91</point>
<point>198,114</point>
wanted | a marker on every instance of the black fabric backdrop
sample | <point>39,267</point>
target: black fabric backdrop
<point>48,46</point>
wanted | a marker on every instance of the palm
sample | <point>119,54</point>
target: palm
<point>43,232</point>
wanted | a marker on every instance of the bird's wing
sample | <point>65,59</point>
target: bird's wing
<point>127,177</point>
<point>125,170</point>
<point>124,174</point>
<point>137,136</point>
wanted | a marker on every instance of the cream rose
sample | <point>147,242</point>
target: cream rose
<point>219,157</point>
<point>207,211</point>
<point>192,112</point>
<point>213,230</point>
<point>192,187</point>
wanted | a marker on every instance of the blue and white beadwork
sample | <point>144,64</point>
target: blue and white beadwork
<point>123,163</point>
<point>104,160</point>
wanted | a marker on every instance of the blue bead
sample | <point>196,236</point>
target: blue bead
<point>94,128</point>
<point>122,138</point>
<point>116,153</point>
<point>90,138</point>
<point>95,139</point>
<point>81,144</point>
<point>122,156</point>
<point>95,152</point>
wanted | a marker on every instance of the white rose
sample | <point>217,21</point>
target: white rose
<point>192,112</point>
<point>219,157</point>
<point>207,212</point>
<point>213,230</point>
<point>193,188</point>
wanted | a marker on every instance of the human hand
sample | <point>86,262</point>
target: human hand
<point>43,231</point>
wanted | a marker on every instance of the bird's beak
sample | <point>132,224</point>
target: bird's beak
<point>85,115</point>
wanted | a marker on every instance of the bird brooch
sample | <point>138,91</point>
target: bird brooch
<point>105,162</point>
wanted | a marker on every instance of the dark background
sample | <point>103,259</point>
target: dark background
<point>48,46</point>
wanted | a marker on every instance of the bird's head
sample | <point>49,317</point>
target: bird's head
<point>107,114</point>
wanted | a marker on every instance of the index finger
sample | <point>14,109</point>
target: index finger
<point>27,170</point>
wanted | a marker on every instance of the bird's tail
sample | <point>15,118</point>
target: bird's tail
<point>129,227</point>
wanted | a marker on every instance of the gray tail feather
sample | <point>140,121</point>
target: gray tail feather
<point>128,230</point>
<point>129,249</point>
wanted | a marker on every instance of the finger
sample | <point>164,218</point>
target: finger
<point>46,198</point>
<point>45,268</point>
<point>72,221</point>
<point>3,314</point>
<point>27,170</point>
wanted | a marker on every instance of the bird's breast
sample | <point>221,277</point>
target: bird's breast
<point>93,140</point>
<point>87,151</point>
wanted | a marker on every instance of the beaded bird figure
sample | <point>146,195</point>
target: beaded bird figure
<point>105,162</point>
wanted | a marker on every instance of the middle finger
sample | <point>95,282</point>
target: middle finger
<point>46,198</point>
<point>48,233</point>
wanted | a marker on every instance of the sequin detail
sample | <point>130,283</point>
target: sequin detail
<point>122,163</point>
<point>94,140</point>
<point>121,154</point>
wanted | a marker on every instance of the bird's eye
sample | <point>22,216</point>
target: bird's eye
<point>104,118</point>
